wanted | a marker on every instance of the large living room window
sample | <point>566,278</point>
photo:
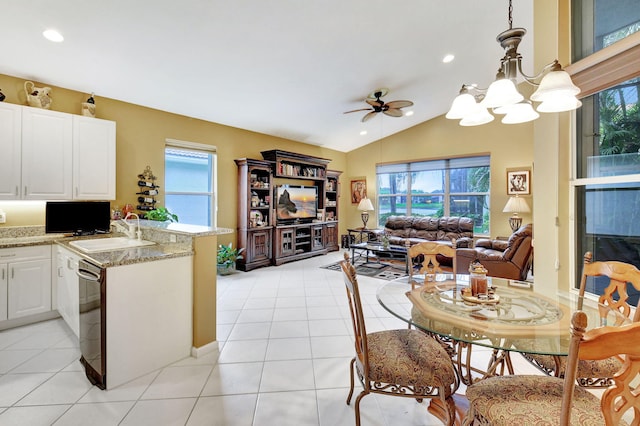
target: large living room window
<point>446,187</point>
<point>607,164</point>
<point>189,181</point>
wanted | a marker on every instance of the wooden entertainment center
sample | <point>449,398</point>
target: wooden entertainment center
<point>267,238</point>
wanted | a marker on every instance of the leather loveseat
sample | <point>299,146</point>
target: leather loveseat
<point>506,259</point>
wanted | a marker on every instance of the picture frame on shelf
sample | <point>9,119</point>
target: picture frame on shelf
<point>320,215</point>
<point>519,181</point>
<point>358,190</point>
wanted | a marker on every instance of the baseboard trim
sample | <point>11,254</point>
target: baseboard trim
<point>204,350</point>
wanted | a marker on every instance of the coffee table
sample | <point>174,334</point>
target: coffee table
<point>381,252</point>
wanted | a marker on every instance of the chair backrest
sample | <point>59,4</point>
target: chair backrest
<point>602,343</point>
<point>430,251</point>
<point>355,308</point>
<point>619,274</point>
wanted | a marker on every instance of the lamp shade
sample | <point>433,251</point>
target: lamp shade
<point>365,205</point>
<point>461,106</point>
<point>554,83</point>
<point>478,116</point>
<point>500,93</point>
<point>560,104</point>
<point>521,112</point>
<point>516,205</point>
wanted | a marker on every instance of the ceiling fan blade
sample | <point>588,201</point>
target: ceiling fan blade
<point>374,103</point>
<point>393,112</point>
<point>356,110</point>
<point>368,116</point>
<point>399,104</point>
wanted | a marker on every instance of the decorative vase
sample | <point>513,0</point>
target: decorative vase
<point>38,97</point>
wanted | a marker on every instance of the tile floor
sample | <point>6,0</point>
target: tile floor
<point>284,350</point>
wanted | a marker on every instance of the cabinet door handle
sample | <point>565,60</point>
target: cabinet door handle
<point>8,255</point>
<point>25,190</point>
<point>17,190</point>
<point>76,191</point>
<point>3,274</point>
<point>13,272</point>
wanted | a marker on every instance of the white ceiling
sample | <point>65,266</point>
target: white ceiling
<point>287,68</point>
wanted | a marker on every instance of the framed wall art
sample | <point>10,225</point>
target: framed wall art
<point>519,181</point>
<point>358,190</point>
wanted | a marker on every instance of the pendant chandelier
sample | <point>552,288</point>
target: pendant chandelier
<point>555,92</point>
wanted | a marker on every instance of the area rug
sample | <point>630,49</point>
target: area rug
<point>381,271</point>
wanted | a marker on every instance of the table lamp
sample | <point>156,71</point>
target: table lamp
<point>365,207</point>
<point>515,205</point>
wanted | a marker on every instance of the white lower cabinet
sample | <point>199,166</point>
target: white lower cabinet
<point>28,272</point>
<point>3,291</point>
<point>68,291</point>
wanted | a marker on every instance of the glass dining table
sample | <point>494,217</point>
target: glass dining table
<point>514,319</point>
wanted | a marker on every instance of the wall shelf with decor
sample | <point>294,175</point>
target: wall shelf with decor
<point>147,191</point>
<point>292,165</point>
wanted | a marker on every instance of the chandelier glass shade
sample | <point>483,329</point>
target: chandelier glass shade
<point>555,91</point>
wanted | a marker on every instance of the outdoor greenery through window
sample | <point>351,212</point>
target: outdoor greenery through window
<point>190,186</point>
<point>607,184</point>
<point>447,187</point>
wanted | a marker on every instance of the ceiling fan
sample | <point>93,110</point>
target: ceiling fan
<point>391,109</point>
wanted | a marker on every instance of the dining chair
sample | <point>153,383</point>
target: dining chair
<point>430,250</point>
<point>544,400</point>
<point>597,373</point>
<point>404,363</point>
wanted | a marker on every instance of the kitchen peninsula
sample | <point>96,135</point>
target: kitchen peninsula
<point>158,301</point>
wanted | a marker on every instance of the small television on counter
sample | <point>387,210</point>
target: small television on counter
<point>77,217</point>
<point>296,203</point>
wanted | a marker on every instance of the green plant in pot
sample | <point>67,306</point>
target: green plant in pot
<point>161,214</point>
<point>227,256</point>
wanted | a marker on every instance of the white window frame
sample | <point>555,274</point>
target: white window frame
<point>205,149</point>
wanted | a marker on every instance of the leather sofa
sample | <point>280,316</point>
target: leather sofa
<point>505,259</point>
<point>414,230</point>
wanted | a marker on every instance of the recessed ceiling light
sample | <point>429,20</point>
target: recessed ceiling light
<point>448,58</point>
<point>363,132</point>
<point>408,113</point>
<point>53,35</point>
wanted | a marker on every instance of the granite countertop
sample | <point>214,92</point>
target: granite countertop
<point>106,259</point>
<point>34,235</point>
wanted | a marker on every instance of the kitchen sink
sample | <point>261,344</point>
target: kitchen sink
<point>108,244</point>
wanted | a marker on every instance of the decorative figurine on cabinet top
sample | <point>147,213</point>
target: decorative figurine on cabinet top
<point>89,107</point>
<point>38,96</point>
<point>2,96</point>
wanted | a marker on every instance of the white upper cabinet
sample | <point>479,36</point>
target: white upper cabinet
<point>10,142</point>
<point>50,155</point>
<point>46,155</point>
<point>94,158</point>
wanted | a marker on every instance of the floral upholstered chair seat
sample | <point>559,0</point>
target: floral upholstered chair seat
<point>529,400</point>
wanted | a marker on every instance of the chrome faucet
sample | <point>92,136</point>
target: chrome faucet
<point>130,231</point>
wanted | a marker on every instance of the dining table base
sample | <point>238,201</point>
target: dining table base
<point>461,353</point>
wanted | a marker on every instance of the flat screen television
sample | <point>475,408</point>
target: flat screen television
<point>77,217</point>
<point>296,203</point>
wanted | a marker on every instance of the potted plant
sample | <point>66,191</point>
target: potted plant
<point>161,214</point>
<point>227,256</point>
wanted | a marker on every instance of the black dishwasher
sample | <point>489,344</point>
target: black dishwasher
<point>92,282</point>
